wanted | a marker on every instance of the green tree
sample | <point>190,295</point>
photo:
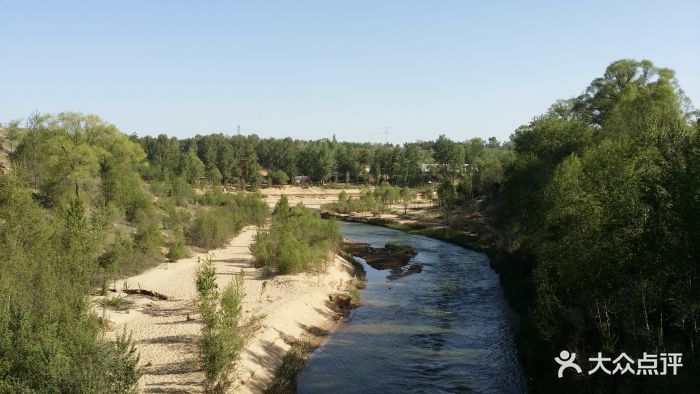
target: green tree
<point>450,156</point>
<point>407,197</point>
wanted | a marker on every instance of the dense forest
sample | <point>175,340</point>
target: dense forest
<point>237,160</point>
<point>595,205</point>
<point>602,200</point>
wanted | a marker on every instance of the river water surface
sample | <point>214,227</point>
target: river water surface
<point>447,329</point>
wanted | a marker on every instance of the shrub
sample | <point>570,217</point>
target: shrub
<point>177,251</point>
<point>400,248</point>
<point>251,208</point>
<point>214,198</point>
<point>160,188</point>
<point>148,239</point>
<point>279,177</point>
<point>128,254</point>
<point>175,219</point>
<point>119,303</point>
<point>375,201</point>
<point>181,191</point>
<point>136,202</point>
<point>222,334</point>
<point>49,339</point>
<point>296,241</point>
<point>178,189</point>
<point>213,227</point>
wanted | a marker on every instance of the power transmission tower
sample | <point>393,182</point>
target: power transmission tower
<point>386,135</point>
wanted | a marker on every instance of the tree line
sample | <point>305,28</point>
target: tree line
<point>236,160</point>
<point>602,200</point>
<point>75,213</point>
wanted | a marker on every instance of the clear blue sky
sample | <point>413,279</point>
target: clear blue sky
<point>310,69</point>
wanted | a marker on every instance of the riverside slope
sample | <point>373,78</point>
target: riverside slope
<point>165,332</point>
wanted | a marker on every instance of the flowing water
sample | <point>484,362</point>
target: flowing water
<point>447,329</point>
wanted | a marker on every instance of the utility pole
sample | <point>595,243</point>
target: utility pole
<point>238,128</point>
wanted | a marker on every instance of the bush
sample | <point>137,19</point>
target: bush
<point>175,219</point>
<point>178,189</point>
<point>279,177</point>
<point>119,303</point>
<point>128,255</point>
<point>214,227</point>
<point>136,202</point>
<point>215,198</point>
<point>181,191</point>
<point>251,208</point>
<point>375,201</point>
<point>160,188</point>
<point>148,238</point>
<point>177,251</point>
<point>400,248</point>
<point>297,240</point>
<point>222,334</point>
<point>49,338</point>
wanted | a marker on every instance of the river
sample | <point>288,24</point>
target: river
<point>447,329</point>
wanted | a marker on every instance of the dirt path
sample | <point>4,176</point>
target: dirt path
<point>166,331</point>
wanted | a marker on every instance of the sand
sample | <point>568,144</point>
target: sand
<point>165,332</point>
<point>312,197</point>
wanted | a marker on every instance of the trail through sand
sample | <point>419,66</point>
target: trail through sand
<point>166,331</point>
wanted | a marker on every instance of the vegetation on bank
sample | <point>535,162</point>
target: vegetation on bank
<point>49,341</point>
<point>377,200</point>
<point>285,379</point>
<point>223,333</point>
<point>603,196</point>
<point>297,240</point>
<point>400,248</point>
<point>213,227</point>
<point>75,214</point>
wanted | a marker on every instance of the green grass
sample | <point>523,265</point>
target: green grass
<point>401,248</point>
<point>355,294</point>
<point>117,303</point>
<point>177,251</point>
<point>285,380</point>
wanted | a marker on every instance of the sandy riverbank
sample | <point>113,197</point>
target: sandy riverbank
<point>166,331</point>
<point>312,197</point>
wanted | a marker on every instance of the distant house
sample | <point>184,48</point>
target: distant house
<point>427,167</point>
<point>365,168</point>
<point>300,179</point>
